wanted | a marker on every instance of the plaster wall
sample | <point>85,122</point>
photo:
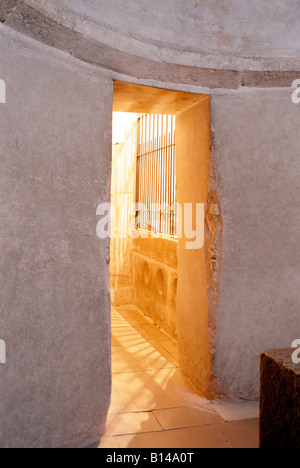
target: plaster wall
<point>56,139</point>
<point>193,175</point>
<point>256,150</point>
<point>55,304</point>
<point>222,34</point>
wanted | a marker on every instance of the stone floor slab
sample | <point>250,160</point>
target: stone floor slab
<point>139,357</point>
<point>240,434</point>
<point>131,423</point>
<point>199,437</point>
<point>237,411</point>
<point>153,406</point>
<point>188,416</point>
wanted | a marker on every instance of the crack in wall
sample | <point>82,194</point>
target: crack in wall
<point>214,225</point>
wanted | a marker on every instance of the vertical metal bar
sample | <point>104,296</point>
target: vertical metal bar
<point>171,165</point>
<point>160,173</point>
<point>173,177</point>
<point>152,172</point>
<point>160,170</point>
<point>137,168</point>
<point>142,168</point>
<point>169,175</point>
<point>157,174</point>
<point>156,171</point>
<point>155,168</point>
<point>147,167</point>
<point>165,174</point>
<point>141,163</point>
<point>150,167</point>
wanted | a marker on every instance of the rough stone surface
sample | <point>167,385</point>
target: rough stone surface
<point>38,26</point>
<point>256,149</point>
<point>55,169</point>
<point>279,400</point>
<point>55,305</point>
<point>231,35</point>
<point>268,79</point>
<point>29,21</point>
<point>43,28</point>
<point>6,7</point>
<point>155,279</point>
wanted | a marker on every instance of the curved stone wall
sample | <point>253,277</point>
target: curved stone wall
<point>200,45</point>
<point>258,29</point>
<point>59,60</point>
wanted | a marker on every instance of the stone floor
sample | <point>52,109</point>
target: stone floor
<point>152,404</point>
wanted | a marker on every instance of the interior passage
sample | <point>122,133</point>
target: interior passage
<point>153,406</point>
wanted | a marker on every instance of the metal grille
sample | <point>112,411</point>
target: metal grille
<point>156,174</point>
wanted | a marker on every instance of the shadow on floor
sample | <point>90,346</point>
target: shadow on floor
<point>152,404</point>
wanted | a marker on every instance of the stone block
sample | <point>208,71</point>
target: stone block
<point>279,400</point>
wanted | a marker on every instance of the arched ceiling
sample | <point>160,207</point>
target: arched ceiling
<point>211,43</point>
<point>256,28</point>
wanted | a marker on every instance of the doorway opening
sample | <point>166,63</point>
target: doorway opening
<point>160,170</point>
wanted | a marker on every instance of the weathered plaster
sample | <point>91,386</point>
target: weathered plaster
<point>55,302</point>
<point>40,26</point>
<point>256,147</point>
<point>233,36</point>
<point>193,175</point>
<point>155,273</point>
<point>55,169</point>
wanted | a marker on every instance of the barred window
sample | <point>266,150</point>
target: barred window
<point>156,174</point>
